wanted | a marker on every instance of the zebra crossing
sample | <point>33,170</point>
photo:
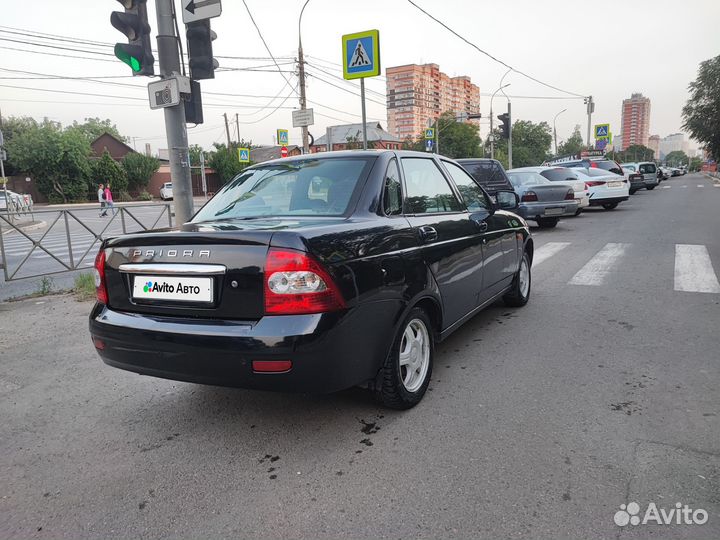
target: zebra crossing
<point>693,269</point>
<point>17,247</point>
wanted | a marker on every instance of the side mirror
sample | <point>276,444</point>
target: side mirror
<point>507,200</point>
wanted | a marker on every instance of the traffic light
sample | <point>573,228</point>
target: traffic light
<point>199,44</point>
<point>505,127</point>
<point>137,52</point>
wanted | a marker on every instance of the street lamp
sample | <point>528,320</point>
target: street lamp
<point>492,137</point>
<point>555,130</point>
<point>301,62</point>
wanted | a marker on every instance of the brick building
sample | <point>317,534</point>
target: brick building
<point>635,121</point>
<point>349,136</point>
<point>417,94</point>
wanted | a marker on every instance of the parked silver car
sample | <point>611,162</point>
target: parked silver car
<point>649,172</point>
<point>541,200</point>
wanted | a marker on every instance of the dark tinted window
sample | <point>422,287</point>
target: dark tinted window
<point>648,168</point>
<point>526,178</point>
<point>392,192</point>
<point>471,193</point>
<point>427,189</point>
<point>559,174</point>
<point>488,173</point>
<point>307,187</point>
<point>608,165</point>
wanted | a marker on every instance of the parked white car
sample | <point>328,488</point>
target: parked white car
<point>166,191</point>
<point>606,189</point>
<point>565,177</point>
<point>19,202</point>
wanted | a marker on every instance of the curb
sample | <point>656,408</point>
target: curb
<point>29,227</point>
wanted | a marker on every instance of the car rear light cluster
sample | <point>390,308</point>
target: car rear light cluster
<point>529,196</point>
<point>295,283</point>
<point>593,183</point>
<point>570,195</point>
<point>100,283</point>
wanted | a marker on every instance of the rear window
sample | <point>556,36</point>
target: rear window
<point>560,174</point>
<point>519,179</point>
<point>607,165</point>
<point>648,168</point>
<point>311,187</point>
<point>488,174</point>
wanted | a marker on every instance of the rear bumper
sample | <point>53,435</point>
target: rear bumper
<point>536,210</point>
<point>329,352</point>
<point>608,200</point>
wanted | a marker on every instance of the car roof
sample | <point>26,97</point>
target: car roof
<point>350,153</point>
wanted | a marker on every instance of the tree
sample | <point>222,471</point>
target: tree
<point>695,164</point>
<point>531,143</point>
<point>572,145</point>
<point>56,159</point>
<point>108,171</point>
<point>225,162</point>
<point>194,151</point>
<point>677,157</point>
<point>92,128</point>
<point>139,168</point>
<point>701,113</point>
<point>634,152</point>
<point>457,139</point>
<point>13,127</point>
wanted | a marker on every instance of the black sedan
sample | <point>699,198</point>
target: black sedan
<point>314,274</point>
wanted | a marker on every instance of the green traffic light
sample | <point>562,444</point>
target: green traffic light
<point>121,51</point>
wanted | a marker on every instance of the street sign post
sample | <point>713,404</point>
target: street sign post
<point>198,10</point>
<point>282,137</point>
<point>361,58</point>
<point>284,151</point>
<point>164,93</point>
<point>602,130</point>
<point>244,155</point>
<point>303,117</point>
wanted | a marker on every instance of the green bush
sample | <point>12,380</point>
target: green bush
<point>122,196</point>
<point>107,171</point>
<point>144,196</point>
<point>139,168</point>
<point>84,287</point>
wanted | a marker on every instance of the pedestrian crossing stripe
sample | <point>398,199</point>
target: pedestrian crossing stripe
<point>693,269</point>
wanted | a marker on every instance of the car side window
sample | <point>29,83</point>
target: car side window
<point>392,190</point>
<point>427,190</point>
<point>471,193</point>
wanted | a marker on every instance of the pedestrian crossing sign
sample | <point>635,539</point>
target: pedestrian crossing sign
<point>361,54</point>
<point>244,155</point>
<point>282,137</point>
<point>429,133</point>
<point>602,130</point>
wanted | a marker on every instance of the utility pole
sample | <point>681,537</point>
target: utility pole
<point>492,137</point>
<point>175,127</point>
<point>227,131</point>
<point>590,110</point>
<point>237,125</point>
<point>202,173</point>
<point>301,69</point>
<point>509,137</point>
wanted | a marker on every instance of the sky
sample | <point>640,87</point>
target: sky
<point>608,50</point>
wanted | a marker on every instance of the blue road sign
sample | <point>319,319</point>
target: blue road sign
<point>602,130</point>
<point>361,55</point>
<point>429,133</point>
<point>600,144</point>
<point>429,145</point>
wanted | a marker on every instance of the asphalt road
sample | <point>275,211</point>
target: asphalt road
<point>539,423</point>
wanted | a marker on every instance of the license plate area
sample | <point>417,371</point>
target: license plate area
<point>554,211</point>
<point>173,289</point>
<point>614,184</point>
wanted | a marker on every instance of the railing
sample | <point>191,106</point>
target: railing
<point>124,219</point>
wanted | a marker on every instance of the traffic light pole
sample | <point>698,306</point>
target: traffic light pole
<point>175,127</point>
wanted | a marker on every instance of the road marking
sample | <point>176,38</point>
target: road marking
<point>693,269</point>
<point>701,185</point>
<point>683,186</point>
<point>597,269</point>
<point>666,187</point>
<point>543,253</point>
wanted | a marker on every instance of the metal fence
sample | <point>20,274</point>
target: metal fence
<point>66,227</point>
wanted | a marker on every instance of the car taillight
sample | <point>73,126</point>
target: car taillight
<point>529,196</point>
<point>100,284</point>
<point>593,165</point>
<point>593,183</point>
<point>295,283</point>
<point>570,195</point>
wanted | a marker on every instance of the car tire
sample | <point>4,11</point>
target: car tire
<point>633,191</point>
<point>519,293</point>
<point>610,206</point>
<point>578,211</point>
<point>650,188</point>
<point>399,388</point>
<point>547,223</point>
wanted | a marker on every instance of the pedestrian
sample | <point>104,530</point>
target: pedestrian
<point>109,200</point>
<point>101,200</point>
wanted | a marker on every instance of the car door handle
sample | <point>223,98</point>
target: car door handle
<point>428,233</point>
<point>482,225</point>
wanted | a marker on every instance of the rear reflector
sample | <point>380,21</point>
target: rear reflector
<point>593,183</point>
<point>529,196</point>
<point>570,195</point>
<point>99,344</point>
<point>271,366</point>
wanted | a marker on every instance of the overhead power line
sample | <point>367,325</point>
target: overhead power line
<point>473,45</point>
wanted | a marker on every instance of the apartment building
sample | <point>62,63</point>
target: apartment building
<point>418,94</point>
<point>635,120</point>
